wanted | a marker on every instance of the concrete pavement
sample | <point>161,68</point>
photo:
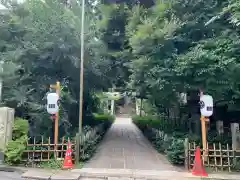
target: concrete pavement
<point>10,176</point>
<point>125,147</point>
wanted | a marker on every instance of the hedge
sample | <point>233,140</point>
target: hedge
<point>172,144</point>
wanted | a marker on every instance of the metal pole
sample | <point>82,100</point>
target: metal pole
<point>81,71</point>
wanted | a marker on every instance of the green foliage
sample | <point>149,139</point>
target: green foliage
<point>20,128</point>
<point>161,122</point>
<point>174,52</point>
<point>236,164</point>
<point>171,142</point>
<point>175,151</point>
<point>214,137</point>
<point>89,143</point>
<point>101,118</point>
<point>172,145</point>
<point>93,134</point>
<point>14,150</point>
<point>39,44</point>
<point>51,164</point>
<point>144,122</point>
<point>160,141</point>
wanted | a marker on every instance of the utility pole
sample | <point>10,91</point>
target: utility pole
<point>81,71</point>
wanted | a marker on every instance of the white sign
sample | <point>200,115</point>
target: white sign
<point>52,103</point>
<point>206,105</point>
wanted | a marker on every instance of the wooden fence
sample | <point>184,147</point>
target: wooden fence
<point>220,157</point>
<point>44,150</point>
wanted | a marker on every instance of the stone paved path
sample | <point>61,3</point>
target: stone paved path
<point>10,176</point>
<point>124,147</point>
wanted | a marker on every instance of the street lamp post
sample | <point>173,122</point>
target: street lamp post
<point>81,73</point>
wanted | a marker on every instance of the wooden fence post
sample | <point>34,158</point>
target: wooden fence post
<point>186,149</point>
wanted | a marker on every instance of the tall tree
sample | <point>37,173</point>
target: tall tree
<point>42,40</point>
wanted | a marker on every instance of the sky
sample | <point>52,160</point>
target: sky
<point>2,7</point>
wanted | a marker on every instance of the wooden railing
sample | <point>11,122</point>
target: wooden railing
<point>44,150</point>
<point>220,157</point>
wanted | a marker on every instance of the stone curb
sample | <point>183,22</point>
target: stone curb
<point>37,175</point>
<point>12,169</point>
<point>148,174</point>
<point>65,175</point>
<point>77,174</point>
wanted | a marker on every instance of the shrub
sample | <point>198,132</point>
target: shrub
<point>146,122</point>
<point>93,133</point>
<point>20,128</point>
<point>51,164</point>
<point>236,164</point>
<point>214,137</point>
<point>159,141</point>
<point>15,147</point>
<point>105,119</point>
<point>175,151</point>
<point>172,145</point>
<point>89,142</point>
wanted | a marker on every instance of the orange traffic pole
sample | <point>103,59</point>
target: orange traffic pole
<point>57,87</point>
<point>204,136</point>
<point>204,132</point>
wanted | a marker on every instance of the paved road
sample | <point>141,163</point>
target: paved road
<point>10,176</point>
<point>125,147</point>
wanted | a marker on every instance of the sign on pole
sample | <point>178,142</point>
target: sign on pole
<point>206,105</point>
<point>52,103</point>
<point>206,108</point>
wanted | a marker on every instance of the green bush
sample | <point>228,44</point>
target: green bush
<point>15,147</point>
<point>98,119</point>
<point>93,133</point>
<point>236,164</point>
<point>146,122</point>
<point>175,151</point>
<point>14,150</point>
<point>51,164</point>
<point>159,141</point>
<point>105,119</point>
<point>20,128</point>
<point>172,145</point>
<point>90,139</point>
<point>214,137</point>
